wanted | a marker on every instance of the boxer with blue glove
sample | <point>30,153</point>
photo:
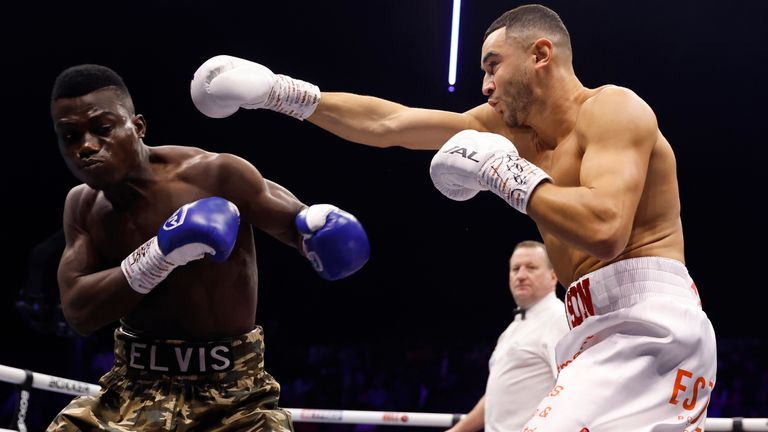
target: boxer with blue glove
<point>186,299</point>
<point>206,226</point>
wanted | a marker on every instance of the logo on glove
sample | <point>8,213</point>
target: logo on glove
<point>176,219</point>
<point>463,152</point>
<point>315,261</point>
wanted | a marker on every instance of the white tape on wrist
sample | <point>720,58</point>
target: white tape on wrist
<point>146,267</point>
<point>512,178</point>
<point>293,97</point>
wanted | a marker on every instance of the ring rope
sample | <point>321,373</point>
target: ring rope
<point>308,415</point>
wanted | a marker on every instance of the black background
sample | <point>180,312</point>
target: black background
<point>438,269</point>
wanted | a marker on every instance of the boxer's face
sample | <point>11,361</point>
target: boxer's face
<point>530,278</point>
<point>507,78</point>
<point>98,136</point>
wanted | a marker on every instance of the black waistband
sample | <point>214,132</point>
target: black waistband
<point>177,357</point>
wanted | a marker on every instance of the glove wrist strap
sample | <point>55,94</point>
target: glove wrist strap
<point>146,267</point>
<point>293,97</point>
<point>512,178</point>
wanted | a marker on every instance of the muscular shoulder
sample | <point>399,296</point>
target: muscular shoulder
<point>78,204</point>
<point>613,110</point>
<point>222,165</point>
<point>77,193</point>
<point>223,172</point>
<point>180,157</point>
<point>192,163</point>
<point>616,105</point>
<point>80,196</point>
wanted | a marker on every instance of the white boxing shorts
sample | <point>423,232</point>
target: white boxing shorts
<point>640,355</point>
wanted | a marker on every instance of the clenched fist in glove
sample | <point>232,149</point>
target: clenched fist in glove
<point>472,161</point>
<point>205,227</point>
<point>334,241</point>
<point>224,84</point>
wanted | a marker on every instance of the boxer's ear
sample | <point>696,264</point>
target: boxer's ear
<point>542,51</point>
<point>140,124</point>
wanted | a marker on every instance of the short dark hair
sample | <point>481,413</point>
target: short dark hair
<point>82,79</point>
<point>531,18</point>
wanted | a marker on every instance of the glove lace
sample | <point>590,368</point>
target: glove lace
<point>512,178</point>
<point>293,97</point>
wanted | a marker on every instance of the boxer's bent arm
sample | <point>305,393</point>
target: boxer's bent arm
<point>619,131</point>
<point>381,123</point>
<point>281,196</point>
<point>90,298</point>
<point>263,203</point>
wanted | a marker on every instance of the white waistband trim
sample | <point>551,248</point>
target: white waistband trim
<point>626,282</point>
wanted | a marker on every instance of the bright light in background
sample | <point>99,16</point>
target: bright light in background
<point>454,45</point>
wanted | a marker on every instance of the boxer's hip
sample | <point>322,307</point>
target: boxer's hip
<point>638,336</point>
<point>634,306</point>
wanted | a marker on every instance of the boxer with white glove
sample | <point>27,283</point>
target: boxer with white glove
<point>472,161</point>
<point>224,84</point>
<point>334,241</point>
<point>206,226</point>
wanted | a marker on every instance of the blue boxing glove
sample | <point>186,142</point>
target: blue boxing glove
<point>206,226</point>
<point>334,241</point>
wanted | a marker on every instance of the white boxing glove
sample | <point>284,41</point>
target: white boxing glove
<point>472,161</point>
<point>223,84</point>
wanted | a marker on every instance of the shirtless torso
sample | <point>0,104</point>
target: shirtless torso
<point>202,300</point>
<point>656,229</point>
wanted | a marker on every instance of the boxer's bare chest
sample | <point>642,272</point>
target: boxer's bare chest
<point>116,232</point>
<point>562,163</point>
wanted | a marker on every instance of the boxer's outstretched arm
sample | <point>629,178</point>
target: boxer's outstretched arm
<point>90,298</point>
<point>619,130</point>
<point>223,84</point>
<point>381,123</point>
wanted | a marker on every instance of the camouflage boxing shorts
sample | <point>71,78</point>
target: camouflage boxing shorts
<point>171,385</point>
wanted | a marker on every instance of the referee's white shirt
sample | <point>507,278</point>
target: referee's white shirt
<point>522,368</point>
